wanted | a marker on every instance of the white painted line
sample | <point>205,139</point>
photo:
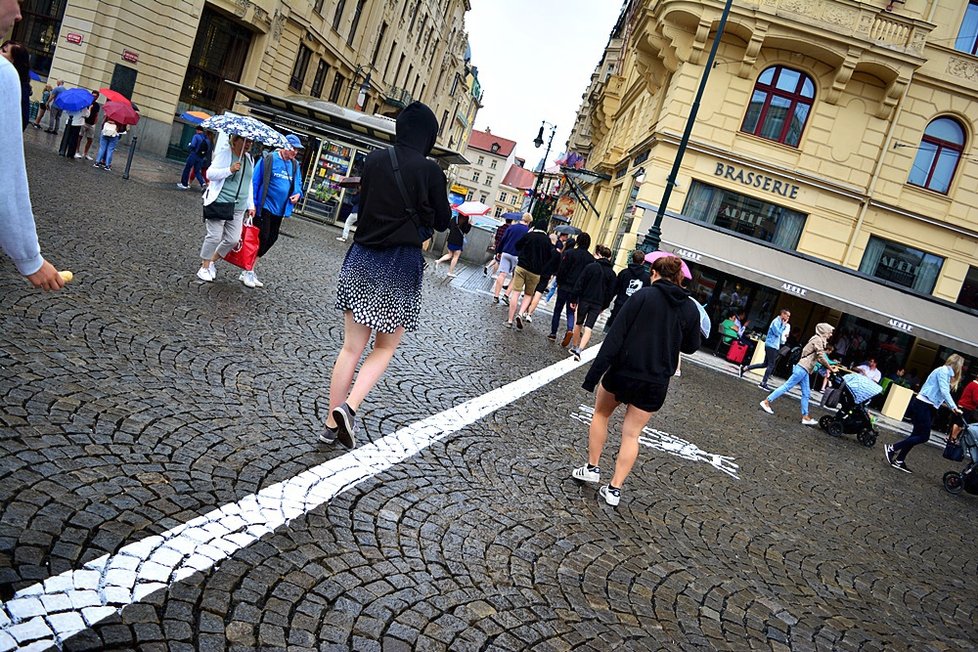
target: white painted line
<point>51,611</point>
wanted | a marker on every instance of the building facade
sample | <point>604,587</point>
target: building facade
<point>831,169</point>
<point>373,55</point>
<point>489,158</point>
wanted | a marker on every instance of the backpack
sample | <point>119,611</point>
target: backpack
<point>794,355</point>
<point>204,148</point>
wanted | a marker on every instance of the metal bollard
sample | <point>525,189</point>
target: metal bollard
<point>132,150</point>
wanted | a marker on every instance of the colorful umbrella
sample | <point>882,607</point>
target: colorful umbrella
<point>113,96</point>
<point>656,255</point>
<point>194,117</point>
<point>247,127</point>
<point>120,113</point>
<point>472,208</point>
<point>74,100</point>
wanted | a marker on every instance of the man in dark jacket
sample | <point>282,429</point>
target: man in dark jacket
<point>534,251</point>
<point>572,264</point>
<point>594,290</point>
<point>630,280</point>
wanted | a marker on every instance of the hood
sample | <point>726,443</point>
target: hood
<point>674,294</point>
<point>824,330</point>
<point>604,261</point>
<point>416,128</point>
<point>637,268</point>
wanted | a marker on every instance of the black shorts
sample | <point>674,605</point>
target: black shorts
<point>542,285</point>
<point>648,397</point>
<point>587,314</point>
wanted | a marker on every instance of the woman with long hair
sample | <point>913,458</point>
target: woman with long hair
<point>229,180</point>
<point>935,391</point>
<point>18,55</point>
<point>636,361</point>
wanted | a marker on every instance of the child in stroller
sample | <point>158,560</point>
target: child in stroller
<point>967,479</point>
<point>856,391</point>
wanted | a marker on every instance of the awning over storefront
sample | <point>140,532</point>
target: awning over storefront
<point>318,116</point>
<point>823,283</point>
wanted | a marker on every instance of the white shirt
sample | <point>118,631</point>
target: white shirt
<point>873,374</point>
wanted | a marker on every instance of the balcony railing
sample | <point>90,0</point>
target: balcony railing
<point>399,97</point>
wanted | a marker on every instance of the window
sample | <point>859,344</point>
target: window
<point>938,155</point>
<point>444,121</point>
<point>900,264</point>
<point>483,198</point>
<point>390,57</point>
<point>319,79</point>
<point>752,217</point>
<point>356,21</point>
<point>498,211</point>
<point>967,40</point>
<point>488,179</point>
<point>482,160</point>
<point>780,105</point>
<point>338,15</point>
<point>475,177</point>
<point>337,88</point>
<point>318,7</point>
<point>38,31</point>
<point>380,39</point>
<point>968,296</point>
<point>299,69</point>
<point>494,148</point>
<point>504,198</point>
<point>492,164</point>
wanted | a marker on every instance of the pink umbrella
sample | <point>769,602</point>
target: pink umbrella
<point>656,255</point>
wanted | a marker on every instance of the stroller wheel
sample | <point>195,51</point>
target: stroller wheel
<point>824,422</point>
<point>867,438</point>
<point>953,482</point>
<point>834,428</point>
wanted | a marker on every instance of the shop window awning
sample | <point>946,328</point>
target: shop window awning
<point>331,120</point>
<point>827,284</point>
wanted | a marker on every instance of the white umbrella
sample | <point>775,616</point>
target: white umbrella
<point>472,208</point>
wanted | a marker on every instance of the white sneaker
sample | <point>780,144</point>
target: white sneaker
<point>89,158</point>
<point>611,496</point>
<point>79,156</point>
<point>183,187</point>
<point>528,318</point>
<point>766,407</point>
<point>341,238</point>
<point>213,270</point>
<point>248,278</point>
<point>809,422</point>
<point>586,475</point>
<point>204,275</point>
<point>254,278</point>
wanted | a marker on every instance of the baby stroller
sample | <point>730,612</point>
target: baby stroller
<point>856,391</point>
<point>967,479</point>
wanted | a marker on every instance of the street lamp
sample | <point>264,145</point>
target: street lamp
<point>537,142</point>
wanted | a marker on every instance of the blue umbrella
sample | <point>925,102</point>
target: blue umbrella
<point>74,100</point>
<point>242,125</point>
<point>35,76</point>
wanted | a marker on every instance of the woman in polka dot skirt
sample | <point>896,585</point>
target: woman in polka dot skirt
<point>379,286</point>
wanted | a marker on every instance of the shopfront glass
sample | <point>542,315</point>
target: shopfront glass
<point>900,264</point>
<point>749,216</point>
<point>325,198</point>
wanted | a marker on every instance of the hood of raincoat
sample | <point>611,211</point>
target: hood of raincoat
<point>417,128</point>
<point>824,330</point>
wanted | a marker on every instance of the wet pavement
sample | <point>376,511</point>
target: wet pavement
<point>142,411</point>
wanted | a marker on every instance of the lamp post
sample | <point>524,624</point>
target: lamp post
<point>654,236</point>
<point>536,143</point>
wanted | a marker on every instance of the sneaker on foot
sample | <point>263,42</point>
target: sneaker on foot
<point>679,372</point>
<point>505,299</point>
<point>107,168</point>
<point>79,156</point>
<point>611,495</point>
<point>509,324</point>
<point>567,338</point>
<point>577,353</point>
<point>485,271</point>
<point>183,187</point>
<point>888,453</point>
<point>766,407</point>
<point>341,238</point>
<point>809,422</point>
<point>248,278</point>
<point>763,386</point>
<point>328,435</point>
<point>495,299</point>
<point>213,271</point>
<point>742,369</point>
<point>89,157</point>
<point>346,425</point>
<point>258,284</point>
<point>585,474</point>
<point>552,337</point>
<point>519,322</point>
<point>204,275</point>
<point>96,165</point>
<point>901,465</point>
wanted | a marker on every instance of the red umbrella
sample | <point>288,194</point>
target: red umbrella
<point>113,96</point>
<point>120,113</point>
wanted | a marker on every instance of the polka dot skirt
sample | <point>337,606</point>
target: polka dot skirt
<point>381,287</point>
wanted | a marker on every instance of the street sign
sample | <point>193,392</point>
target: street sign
<point>130,56</point>
<point>71,37</point>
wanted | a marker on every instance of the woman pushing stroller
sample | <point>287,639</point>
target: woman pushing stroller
<point>814,351</point>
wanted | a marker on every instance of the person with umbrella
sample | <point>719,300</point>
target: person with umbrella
<point>232,166</point>
<point>74,102</point>
<point>117,117</point>
<point>87,132</point>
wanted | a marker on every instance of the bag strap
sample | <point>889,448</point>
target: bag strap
<point>266,178</point>
<point>240,179</point>
<point>411,210</point>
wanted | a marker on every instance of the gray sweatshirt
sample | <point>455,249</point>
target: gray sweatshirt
<point>18,237</point>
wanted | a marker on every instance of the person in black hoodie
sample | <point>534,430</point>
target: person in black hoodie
<point>630,280</point>
<point>379,285</point>
<point>533,252</point>
<point>635,362</point>
<point>595,288</point>
<point>571,265</point>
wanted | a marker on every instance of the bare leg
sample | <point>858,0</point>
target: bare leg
<point>604,405</point>
<point>500,279</point>
<point>635,420</point>
<point>355,338</point>
<point>535,302</point>
<point>576,337</point>
<point>444,259</point>
<point>585,337</point>
<point>514,302</point>
<point>374,366</point>
<point>524,306</point>
<point>455,257</point>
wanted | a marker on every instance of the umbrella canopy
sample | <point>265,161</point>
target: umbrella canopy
<point>656,255</point>
<point>120,113</point>
<point>113,96</point>
<point>194,117</point>
<point>349,182</point>
<point>35,76</point>
<point>566,228</point>
<point>471,208</point>
<point>247,127</point>
<point>512,215</point>
<point>74,100</point>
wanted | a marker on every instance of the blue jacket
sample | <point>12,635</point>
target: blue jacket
<point>286,180</point>
<point>775,334</point>
<point>937,387</point>
<point>195,143</point>
<point>512,235</point>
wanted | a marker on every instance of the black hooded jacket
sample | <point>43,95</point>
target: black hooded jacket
<point>572,264</point>
<point>628,278</point>
<point>644,342</point>
<point>383,220</point>
<point>596,284</point>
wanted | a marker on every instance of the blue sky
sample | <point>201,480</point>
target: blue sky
<point>535,59</point>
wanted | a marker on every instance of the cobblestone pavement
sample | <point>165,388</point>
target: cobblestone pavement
<point>139,399</point>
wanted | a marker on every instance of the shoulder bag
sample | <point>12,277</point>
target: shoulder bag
<point>953,450</point>
<point>424,232</point>
<point>224,210</point>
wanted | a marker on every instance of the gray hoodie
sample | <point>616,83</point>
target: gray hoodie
<point>814,350</point>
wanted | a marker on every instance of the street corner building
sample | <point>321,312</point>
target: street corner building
<point>831,170</point>
<point>354,59</point>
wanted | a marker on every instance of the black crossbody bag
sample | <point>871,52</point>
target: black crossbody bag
<point>224,211</point>
<point>424,232</point>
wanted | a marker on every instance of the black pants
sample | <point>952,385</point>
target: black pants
<point>770,359</point>
<point>268,226</point>
<point>69,143</point>
<point>922,417</point>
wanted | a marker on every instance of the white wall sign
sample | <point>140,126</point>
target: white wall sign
<point>794,289</point>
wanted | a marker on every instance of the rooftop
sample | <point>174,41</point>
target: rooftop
<point>485,140</point>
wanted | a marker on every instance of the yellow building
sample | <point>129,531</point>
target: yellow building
<point>832,168</point>
<point>170,56</point>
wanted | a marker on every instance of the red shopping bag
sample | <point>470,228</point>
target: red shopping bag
<point>246,253</point>
<point>737,352</point>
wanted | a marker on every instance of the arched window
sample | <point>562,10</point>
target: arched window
<point>780,105</point>
<point>938,155</point>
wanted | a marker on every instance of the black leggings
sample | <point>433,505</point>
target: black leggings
<point>922,417</point>
<point>268,226</point>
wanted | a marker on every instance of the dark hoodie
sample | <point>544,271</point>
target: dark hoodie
<point>383,219</point>
<point>644,342</point>
<point>630,280</point>
<point>572,264</point>
<point>596,284</point>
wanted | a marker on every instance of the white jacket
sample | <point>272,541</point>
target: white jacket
<point>220,169</point>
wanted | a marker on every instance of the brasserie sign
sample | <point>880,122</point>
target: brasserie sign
<point>757,180</point>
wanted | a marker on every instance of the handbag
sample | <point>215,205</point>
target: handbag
<point>953,450</point>
<point>245,254</point>
<point>223,210</point>
<point>109,130</point>
<point>424,232</point>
